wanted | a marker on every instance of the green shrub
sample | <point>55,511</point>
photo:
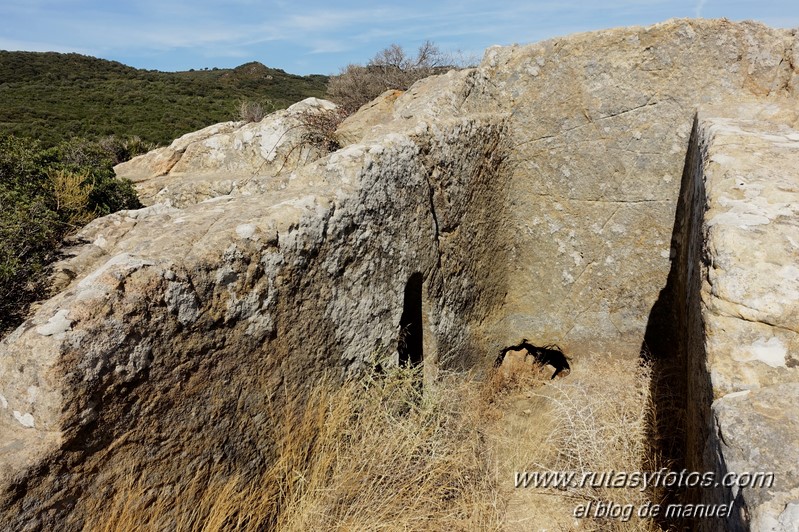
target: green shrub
<point>45,194</point>
<point>110,194</point>
<point>75,95</point>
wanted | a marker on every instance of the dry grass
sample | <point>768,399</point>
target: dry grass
<point>392,458</point>
<point>254,111</point>
<point>380,454</point>
<point>595,421</point>
<point>376,454</point>
<point>602,426</point>
<point>71,193</point>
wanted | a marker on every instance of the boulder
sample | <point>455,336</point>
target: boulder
<point>357,125</point>
<point>227,158</point>
<point>740,280</point>
<point>535,196</point>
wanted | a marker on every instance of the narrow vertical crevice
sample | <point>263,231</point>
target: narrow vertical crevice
<point>664,345</point>
<point>674,344</point>
<point>437,234</point>
<point>411,336</point>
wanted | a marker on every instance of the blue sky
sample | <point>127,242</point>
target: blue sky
<point>321,37</point>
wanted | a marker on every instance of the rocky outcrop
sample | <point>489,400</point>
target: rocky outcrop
<point>600,128</point>
<point>740,300</point>
<point>182,331</point>
<point>534,196</point>
<point>356,126</point>
<point>227,158</point>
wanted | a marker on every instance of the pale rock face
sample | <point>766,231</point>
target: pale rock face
<point>600,143</point>
<point>752,289</point>
<point>356,126</point>
<point>742,307</point>
<point>535,196</point>
<point>229,158</point>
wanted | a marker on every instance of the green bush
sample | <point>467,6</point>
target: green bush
<point>53,97</point>
<point>45,194</point>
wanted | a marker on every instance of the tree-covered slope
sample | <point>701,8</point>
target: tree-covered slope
<point>53,97</point>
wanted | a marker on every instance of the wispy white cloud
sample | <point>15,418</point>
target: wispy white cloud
<point>321,37</point>
<point>329,46</point>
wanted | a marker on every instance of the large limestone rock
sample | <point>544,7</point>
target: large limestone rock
<point>375,113</point>
<point>227,158</point>
<point>597,134</point>
<point>180,332</point>
<point>534,196</point>
<point>600,126</point>
<point>741,284</point>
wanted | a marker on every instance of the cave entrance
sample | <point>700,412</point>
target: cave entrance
<point>411,338</point>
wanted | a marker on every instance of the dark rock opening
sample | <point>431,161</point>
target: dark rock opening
<point>410,345</point>
<point>549,355</point>
<point>674,344</point>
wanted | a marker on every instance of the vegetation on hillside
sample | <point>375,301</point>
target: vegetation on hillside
<point>53,180</point>
<point>391,68</point>
<point>46,193</point>
<point>53,97</point>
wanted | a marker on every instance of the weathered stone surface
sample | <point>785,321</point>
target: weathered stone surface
<point>752,288</point>
<point>357,125</point>
<point>741,304</point>
<point>228,158</point>
<point>180,328</point>
<point>756,435</point>
<point>597,142</point>
<point>600,125</point>
<point>535,195</point>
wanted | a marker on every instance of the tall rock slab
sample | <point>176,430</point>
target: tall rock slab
<point>534,196</point>
<point>179,333</point>
<point>739,302</point>
<point>599,126</point>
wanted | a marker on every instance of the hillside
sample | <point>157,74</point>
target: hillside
<point>53,96</point>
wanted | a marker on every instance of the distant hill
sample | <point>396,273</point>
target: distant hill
<point>53,97</point>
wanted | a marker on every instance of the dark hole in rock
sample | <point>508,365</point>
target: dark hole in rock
<point>411,336</point>
<point>548,355</point>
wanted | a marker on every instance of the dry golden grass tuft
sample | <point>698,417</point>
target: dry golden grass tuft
<point>517,372</point>
<point>602,426</point>
<point>71,193</point>
<point>382,454</point>
<point>389,457</point>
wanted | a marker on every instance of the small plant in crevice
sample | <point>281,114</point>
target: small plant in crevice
<point>320,128</point>
<point>317,137</point>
